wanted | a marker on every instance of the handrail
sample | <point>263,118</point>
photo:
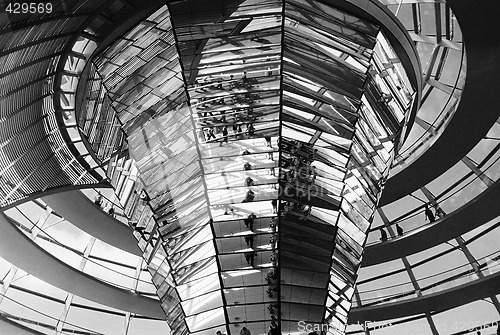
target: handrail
<point>441,201</point>
<point>119,210</point>
<point>56,242</point>
<point>9,316</point>
<point>470,272</point>
<point>420,141</point>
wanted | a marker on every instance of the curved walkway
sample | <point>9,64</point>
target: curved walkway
<point>478,108</point>
<point>477,212</point>
<point>435,302</point>
<point>8,327</point>
<point>75,207</point>
<point>18,249</point>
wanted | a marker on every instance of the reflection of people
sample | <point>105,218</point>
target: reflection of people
<point>250,196</point>
<point>224,136</point>
<point>245,331</point>
<point>249,221</point>
<point>211,134</point>
<point>272,224</point>
<point>250,257</point>
<point>251,129</point>
<point>273,328</point>
<point>270,155</point>
<point>268,141</point>
<point>305,212</point>
<point>249,240</point>
<point>249,182</point>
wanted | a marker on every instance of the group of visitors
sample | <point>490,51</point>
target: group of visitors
<point>383,234</point>
<point>429,215</point>
<point>107,207</point>
<point>220,108</point>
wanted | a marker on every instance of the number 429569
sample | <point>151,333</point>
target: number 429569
<point>29,7</point>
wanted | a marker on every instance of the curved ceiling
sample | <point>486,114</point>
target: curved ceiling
<point>477,110</point>
<point>31,78</point>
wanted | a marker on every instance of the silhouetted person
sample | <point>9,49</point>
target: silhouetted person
<point>211,134</point>
<point>249,221</point>
<point>247,166</point>
<point>250,257</point>
<point>246,152</point>
<point>224,134</point>
<point>245,331</point>
<point>399,230</point>
<point>274,202</point>
<point>98,199</point>
<point>251,130</point>
<point>383,235</point>
<point>272,224</point>
<point>249,181</point>
<point>111,210</point>
<point>250,196</point>
<point>268,140</point>
<point>249,240</point>
<point>428,214</point>
<point>273,329</point>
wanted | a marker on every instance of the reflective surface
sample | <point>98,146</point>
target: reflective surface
<point>262,174</point>
<point>455,188</point>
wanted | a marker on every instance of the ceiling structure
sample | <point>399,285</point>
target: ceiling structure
<point>242,62</point>
<point>473,167</point>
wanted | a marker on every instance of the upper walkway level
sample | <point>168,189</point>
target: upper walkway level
<point>78,209</point>
<point>435,302</point>
<point>477,110</point>
<point>479,211</point>
<point>17,248</point>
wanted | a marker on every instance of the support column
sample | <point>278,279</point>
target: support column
<point>480,174</point>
